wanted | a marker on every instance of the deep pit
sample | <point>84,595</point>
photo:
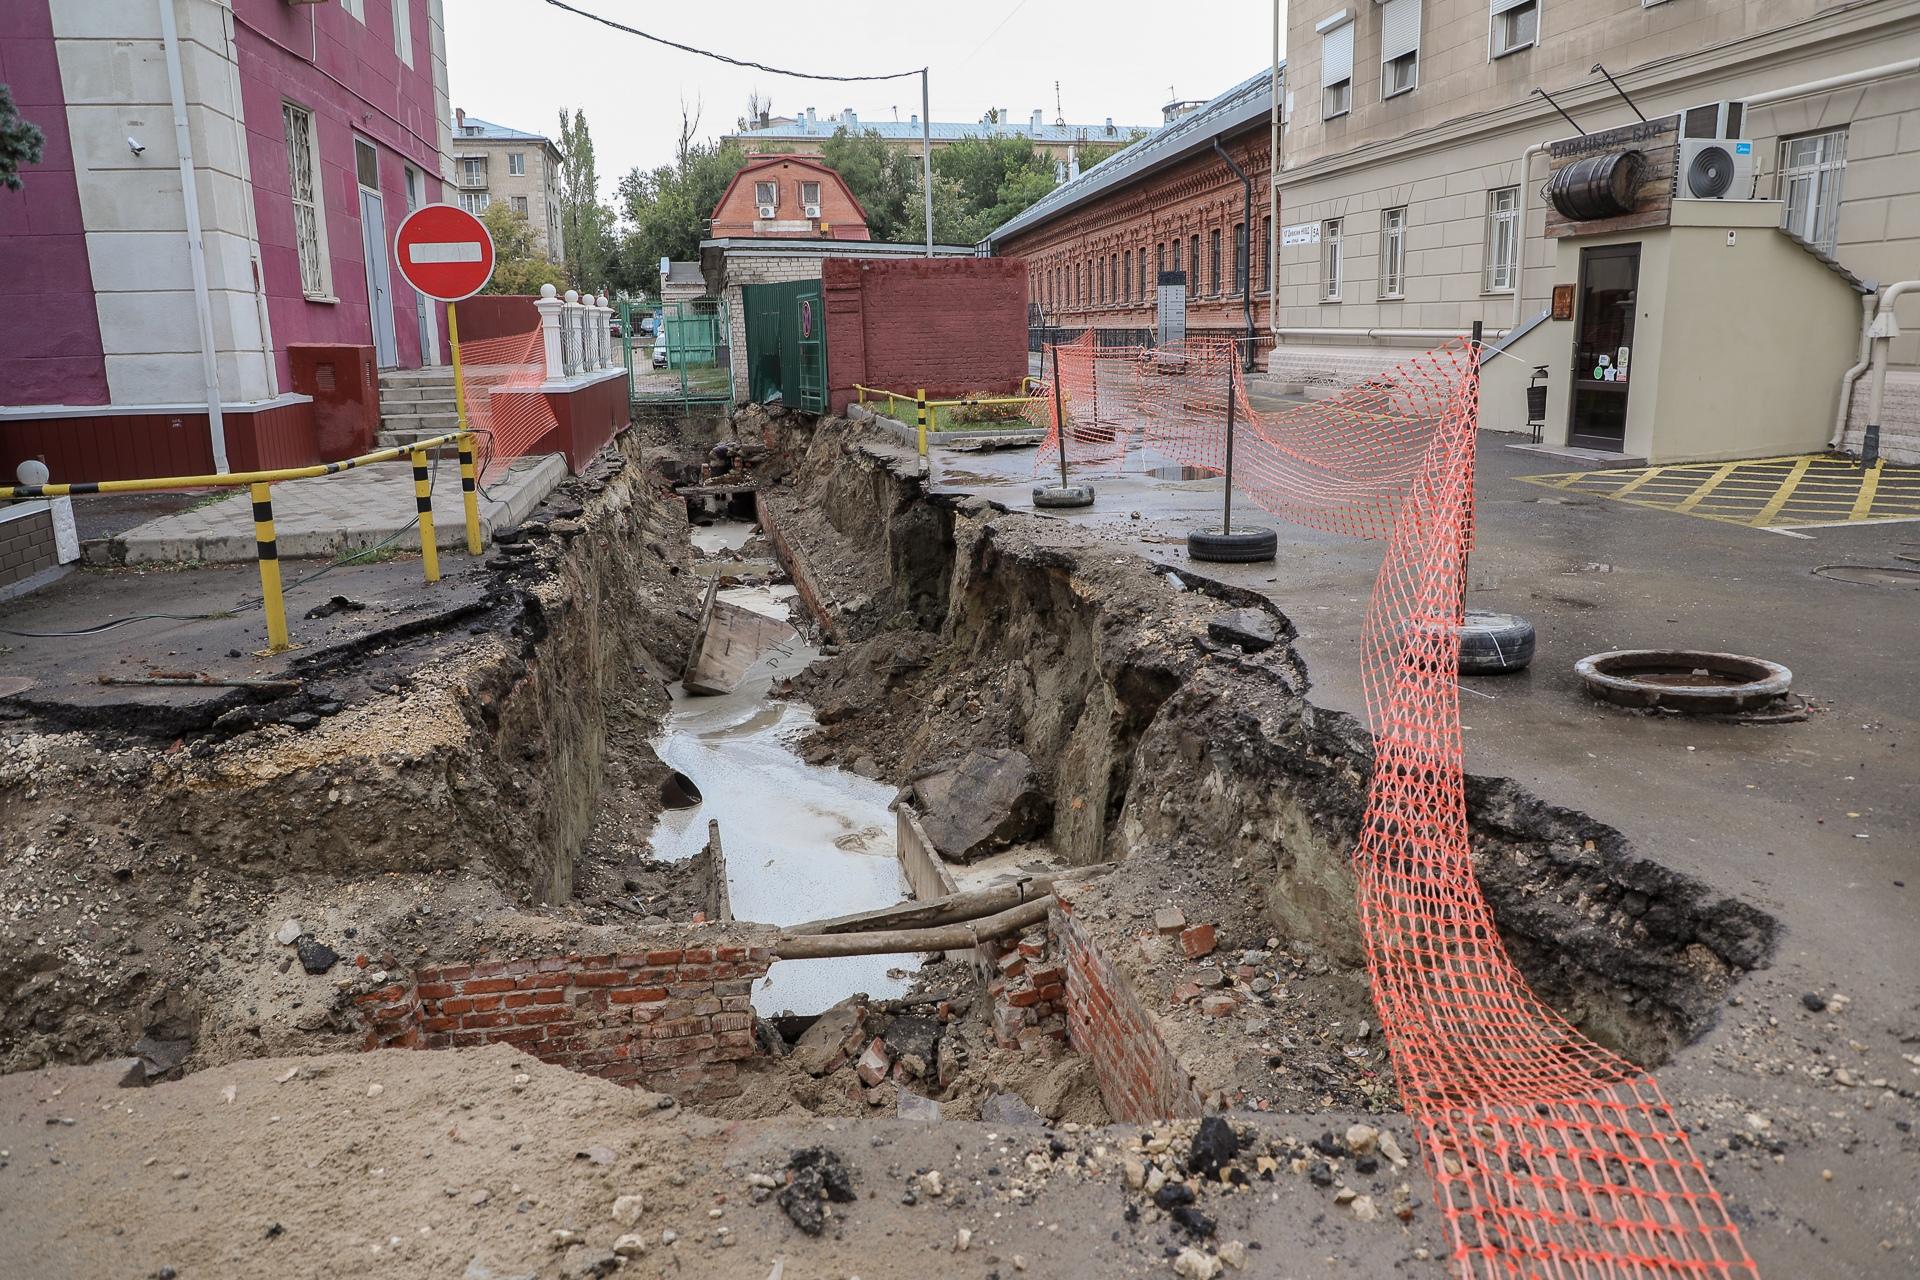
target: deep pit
<point>487,785</point>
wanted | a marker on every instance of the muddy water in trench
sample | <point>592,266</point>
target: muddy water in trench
<point>802,841</point>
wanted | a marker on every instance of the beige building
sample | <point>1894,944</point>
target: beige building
<point>494,164</point>
<point>1411,173</point>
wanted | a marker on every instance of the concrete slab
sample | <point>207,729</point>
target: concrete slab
<point>333,515</point>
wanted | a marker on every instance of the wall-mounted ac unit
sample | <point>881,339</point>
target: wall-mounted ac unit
<point>813,211</point>
<point>1716,163</point>
<point>767,211</point>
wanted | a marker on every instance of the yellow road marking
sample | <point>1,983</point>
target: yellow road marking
<point>1635,483</point>
<point>1779,499</point>
<point>1869,484</point>
<point>1692,500</point>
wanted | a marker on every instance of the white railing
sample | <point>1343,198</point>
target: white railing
<point>577,333</point>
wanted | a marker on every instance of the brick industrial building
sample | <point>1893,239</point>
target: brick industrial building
<point>1095,245</point>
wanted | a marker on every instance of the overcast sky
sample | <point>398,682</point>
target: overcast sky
<point>517,62</point>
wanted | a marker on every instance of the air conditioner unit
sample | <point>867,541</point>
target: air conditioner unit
<point>1716,163</point>
<point>813,211</point>
<point>767,211</point>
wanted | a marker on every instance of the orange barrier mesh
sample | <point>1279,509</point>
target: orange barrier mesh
<point>1551,1156</point>
<point>506,426</point>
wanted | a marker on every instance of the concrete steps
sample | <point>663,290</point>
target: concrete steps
<point>417,404</point>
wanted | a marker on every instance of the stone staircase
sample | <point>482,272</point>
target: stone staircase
<point>416,404</point>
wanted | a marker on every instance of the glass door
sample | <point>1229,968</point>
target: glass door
<point>1603,347</point>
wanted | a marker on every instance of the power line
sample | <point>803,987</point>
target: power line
<point>996,31</point>
<point>719,57</point>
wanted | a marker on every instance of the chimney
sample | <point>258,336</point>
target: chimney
<point>1073,163</point>
<point>763,119</point>
<point>809,115</point>
<point>1036,120</point>
<point>1110,130</point>
<point>914,119</point>
<point>459,119</point>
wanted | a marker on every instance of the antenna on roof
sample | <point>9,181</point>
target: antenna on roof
<point>1059,116</point>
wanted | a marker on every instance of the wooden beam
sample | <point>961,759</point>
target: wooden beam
<point>952,937</point>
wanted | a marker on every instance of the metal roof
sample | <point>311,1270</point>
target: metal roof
<point>804,129</point>
<point>1247,103</point>
<point>474,129</point>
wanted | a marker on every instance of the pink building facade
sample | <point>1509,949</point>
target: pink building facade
<point>312,130</point>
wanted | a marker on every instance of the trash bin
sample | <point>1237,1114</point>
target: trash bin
<point>1537,401</point>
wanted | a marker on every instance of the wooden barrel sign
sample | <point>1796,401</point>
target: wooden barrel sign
<point>1599,186</point>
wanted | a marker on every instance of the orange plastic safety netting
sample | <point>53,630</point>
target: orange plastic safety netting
<point>506,426</point>
<point>1551,1156</point>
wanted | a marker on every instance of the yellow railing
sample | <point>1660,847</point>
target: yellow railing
<point>927,412</point>
<point>260,487</point>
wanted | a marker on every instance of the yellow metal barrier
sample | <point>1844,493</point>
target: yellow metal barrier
<point>259,485</point>
<point>927,412</point>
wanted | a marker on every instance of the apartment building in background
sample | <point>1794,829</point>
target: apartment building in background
<point>149,333</point>
<point>492,163</point>
<point>806,133</point>
<point>1413,159</point>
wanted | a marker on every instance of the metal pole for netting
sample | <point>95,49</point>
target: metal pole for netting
<point>1466,534</point>
<point>1059,418</point>
<point>926,156</point>
<point>1226,499</point>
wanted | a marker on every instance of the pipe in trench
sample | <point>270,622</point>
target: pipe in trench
<point>953,937</point>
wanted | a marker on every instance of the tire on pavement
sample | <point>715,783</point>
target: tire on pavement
<point>1242,546</point>
<point>1492,643</point>
<point>1067,495</point>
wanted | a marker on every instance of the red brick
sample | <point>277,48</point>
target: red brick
<point>434,990</point>
<point>459,1004</point>
<point>599,978</point>
<point>537,1017</point>
<point>663,957</point>
<point>1022,997</point>
<point>473,1020</point>
<point>476,986</point>
<point>1197,940</point>
<point>638,995</point>
<point>519,1000</point>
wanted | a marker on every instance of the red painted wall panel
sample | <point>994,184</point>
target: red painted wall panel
<point>950,325</point>
<point>133,446</point>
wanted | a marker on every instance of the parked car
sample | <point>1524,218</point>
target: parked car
<point>660,349</point>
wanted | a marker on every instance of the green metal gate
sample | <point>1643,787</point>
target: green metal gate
<point>787,344</point>
<point>696,369</point>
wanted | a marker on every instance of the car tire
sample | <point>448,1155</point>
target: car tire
<point>1063,495</point>
<point>1493,643</point>
<point>1243,546</point>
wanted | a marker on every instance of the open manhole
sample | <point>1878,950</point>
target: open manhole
<point>678,792</point>
<point>1868,575</point>
<point>1683,679</point>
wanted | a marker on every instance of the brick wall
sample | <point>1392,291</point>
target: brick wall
<point>26,546</point>
<point>1140,1079</point>
<point>950,325</point>
<point>1028,990</point>
<point>676,1020</point>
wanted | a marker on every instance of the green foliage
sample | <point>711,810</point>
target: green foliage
<point>1094,152</point>
<point>883,180</point>
<point>670,210</point>
<point>517,266</point>
<point>978,183</point>
<point>586,225</point>
<point>20,142</point>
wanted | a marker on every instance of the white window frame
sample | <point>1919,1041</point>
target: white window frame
<point>522,206</point>
<point>517,164</point>
<point>773,193</point>
<point>475,202</point>
<point>356,9</point>
<point>1332,263</point>
<point>473,171</point>
<point>1500,9</point>
<point>1393,253</point>
<point>809,199</point>
<point>306,195</point>
<point>1336,64</point>
<point>1501,273</point>
<point>1399,46</point>
<point>403,30</point>
<point>1812,191</point>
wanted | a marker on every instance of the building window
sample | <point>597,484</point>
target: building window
<point>520,205</point>
<point>1516,25</point>
<point>303,186</point>
<point>1393,252</point>
<point>1266,255</point>
<point>366,165</point>
<point>1159,261</point>
<point>517,163</point>
<point>810,194</point>
<point>355,9</point>
<point>473,172</point>
<point>475,201</point>
<point>1503,238</point>
<point>767,194</point>
<point>1399,46</point>
<point>1176,253</point>
<point>403,30</point>
<point>1336,65</point>
<point>1213,261</point>
<point>1330,264</point>
<point>1810,172</point>
<point>1239,257</point>
<point>1193,264</point>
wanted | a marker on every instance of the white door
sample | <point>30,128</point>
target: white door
<point>422,307</point>
<point>373,238</point>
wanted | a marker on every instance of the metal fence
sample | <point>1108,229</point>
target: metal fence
<point>693,365</point>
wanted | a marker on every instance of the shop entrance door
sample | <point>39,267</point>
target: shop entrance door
<point>1603,347</point>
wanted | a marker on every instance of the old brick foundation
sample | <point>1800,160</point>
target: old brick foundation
<point>674,1019</point>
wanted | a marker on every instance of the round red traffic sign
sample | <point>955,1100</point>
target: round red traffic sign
<point>444,252</point>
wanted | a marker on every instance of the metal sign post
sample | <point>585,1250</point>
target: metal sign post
<point>1059,418</point>
<point>1226,502</point>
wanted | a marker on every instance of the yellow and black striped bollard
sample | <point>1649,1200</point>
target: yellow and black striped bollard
<point>267,549</point>
<point>469,496</point>
<point>423,503</point>
<point>920,413</point>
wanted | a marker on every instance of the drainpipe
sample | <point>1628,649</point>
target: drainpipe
<point>1884,328</point>
<point>196,246</point>
<point>1520,236</point>
<point>1869,303</point>
<point>1246,235</point>
<point>1904,67</point>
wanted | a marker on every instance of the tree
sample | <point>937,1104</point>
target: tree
<point>997,177</point>
<point>20,142</point>
<point>883,180</point>
<point>1092,153</point>
<point>670,209</point>
<point>517,266</point>
<point>586,225</point>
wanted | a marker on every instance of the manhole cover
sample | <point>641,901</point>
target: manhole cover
<point>1867,575</point>
<point>1683,679</point>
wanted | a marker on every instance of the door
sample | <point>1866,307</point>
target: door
<point>1603,347</point>
<point>787,344</point>
<point>422,305</point>
<point>373,235</point>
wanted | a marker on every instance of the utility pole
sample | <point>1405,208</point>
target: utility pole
<point>926,155</point>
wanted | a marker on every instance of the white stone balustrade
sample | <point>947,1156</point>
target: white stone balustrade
<point>576,333</point>
<point>552,343</point>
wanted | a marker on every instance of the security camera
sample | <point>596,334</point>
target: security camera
<point>136,145</point>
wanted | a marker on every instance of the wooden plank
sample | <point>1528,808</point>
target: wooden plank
<point>1658,140</point>
<point>731,640</point>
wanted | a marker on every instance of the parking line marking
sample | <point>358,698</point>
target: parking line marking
<point>1869,484</point>
<point>1707,486</point>
<point>1636,482</point>
<point>1779,499</point>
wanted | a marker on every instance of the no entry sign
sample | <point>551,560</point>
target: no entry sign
<point>444,252</point>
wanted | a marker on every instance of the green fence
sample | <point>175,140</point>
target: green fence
<point>787,344</point>
<point>695,365</point>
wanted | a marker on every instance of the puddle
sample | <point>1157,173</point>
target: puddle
<point>722,535</point>
<point>802,841</point>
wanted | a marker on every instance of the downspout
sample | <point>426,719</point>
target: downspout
<point>1869,303</point>
<point>196,246</point>
<point>259,278</point>
<point>1246,222</point>
<point>1275,123</point>
<point>1520,248</point>
<point>1884,329</point>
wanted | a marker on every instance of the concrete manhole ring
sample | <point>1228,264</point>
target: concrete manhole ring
<point>1870,575</point>
<point>1691,680</point>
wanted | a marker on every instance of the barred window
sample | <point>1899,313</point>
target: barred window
<point>303,183</point>
<point>1503,239</point>
<point>1393,252</point>
<point>1331,264</point>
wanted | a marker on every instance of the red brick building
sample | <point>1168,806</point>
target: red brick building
<point>791,197</point>
<point>1096,245</point>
